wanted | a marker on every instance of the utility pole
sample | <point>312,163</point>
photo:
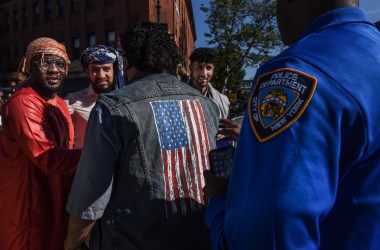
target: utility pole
<point>158,6</point>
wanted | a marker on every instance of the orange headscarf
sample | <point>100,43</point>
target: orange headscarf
<point>45,46</point>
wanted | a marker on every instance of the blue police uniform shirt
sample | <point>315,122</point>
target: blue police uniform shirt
<point>306,172</point>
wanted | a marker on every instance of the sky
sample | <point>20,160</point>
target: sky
<point>372,8</point>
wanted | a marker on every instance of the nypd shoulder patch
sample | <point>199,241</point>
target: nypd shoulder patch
<point>278,100</point>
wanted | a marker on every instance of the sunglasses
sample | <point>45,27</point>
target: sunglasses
<point>46,63</point>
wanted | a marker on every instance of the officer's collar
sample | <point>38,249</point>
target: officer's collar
<point>336,17</point>
<point>138,76</point>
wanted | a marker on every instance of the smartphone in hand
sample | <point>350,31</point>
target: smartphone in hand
<point>221,161</point>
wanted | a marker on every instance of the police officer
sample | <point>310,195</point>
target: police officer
<point>307,167</point>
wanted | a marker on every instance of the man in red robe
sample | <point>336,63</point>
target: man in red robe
<point>37,161</point>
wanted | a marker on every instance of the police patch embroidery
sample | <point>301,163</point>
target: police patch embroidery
<point>278,100</point>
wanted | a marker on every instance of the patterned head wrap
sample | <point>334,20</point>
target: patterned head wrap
<point>45,46</point>
<point>101,54</point>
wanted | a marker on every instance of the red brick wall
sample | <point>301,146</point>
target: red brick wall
<point>112,15</point>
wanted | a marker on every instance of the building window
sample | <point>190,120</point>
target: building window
<point>25,17</point>
<point>91,4</point>
<point>60,8</point>
<point>48,10</point>
<point>36,13</point>
<point>111,38</point>
<point>91,39</point>
<point>15,19</point>
<point>74,6</point>
<point>76,48</point>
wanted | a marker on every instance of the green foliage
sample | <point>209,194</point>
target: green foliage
<point>221,75</point>
<point>244,34</point>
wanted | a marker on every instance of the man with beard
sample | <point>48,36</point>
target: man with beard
<point>140,175</point>
<point>202,69</point>
<point>101,63</point>
<point>36,155</point>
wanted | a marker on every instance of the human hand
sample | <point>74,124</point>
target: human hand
<point>229,130</point>
<point>216,186</point>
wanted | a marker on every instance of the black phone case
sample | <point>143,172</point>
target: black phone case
<point>221,161</point>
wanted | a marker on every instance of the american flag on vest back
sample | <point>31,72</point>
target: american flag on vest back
<point>184,147</point>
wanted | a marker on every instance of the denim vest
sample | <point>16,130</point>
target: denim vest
<point>143,213</point>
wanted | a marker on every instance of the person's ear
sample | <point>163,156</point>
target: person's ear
<point>85,70</point>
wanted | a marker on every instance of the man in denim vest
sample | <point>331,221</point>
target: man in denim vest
<point>146,147</point>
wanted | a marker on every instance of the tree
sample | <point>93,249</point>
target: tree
<point>244,34</point>
<point>220,76</point>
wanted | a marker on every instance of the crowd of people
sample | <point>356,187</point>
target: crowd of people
<point>124,163</point>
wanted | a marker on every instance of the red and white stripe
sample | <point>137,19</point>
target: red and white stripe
<point>184,166</point>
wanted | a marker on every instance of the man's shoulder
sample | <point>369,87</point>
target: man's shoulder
<point>216,92</point>
<point>152,85</point>
<point>77,98</point>
<point>224,97</point>
<point>25,99</point>
<point>148,89</point>
<point>26,94</point>
<point>76,95</point>
<point>60,100</point>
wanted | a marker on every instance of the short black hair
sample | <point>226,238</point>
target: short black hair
<point>203,55</point>
<point>378,25</point>
<point>149,47</point>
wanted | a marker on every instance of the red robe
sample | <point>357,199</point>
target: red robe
<point>36,171</point>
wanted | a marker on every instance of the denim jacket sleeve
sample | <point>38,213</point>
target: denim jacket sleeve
<point>93,181</point>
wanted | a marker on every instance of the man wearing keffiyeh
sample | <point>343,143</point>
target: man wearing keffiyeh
<point>37,161</point>
<point>104,68</point>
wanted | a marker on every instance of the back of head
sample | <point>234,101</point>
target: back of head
<point>294,16</point>
<point>203,55</point>
<point>149,47</point>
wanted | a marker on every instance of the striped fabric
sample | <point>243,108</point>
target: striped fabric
<point>45,46</point>
<point>184,149</point>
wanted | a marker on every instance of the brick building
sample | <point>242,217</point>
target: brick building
<point>80,23</point>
